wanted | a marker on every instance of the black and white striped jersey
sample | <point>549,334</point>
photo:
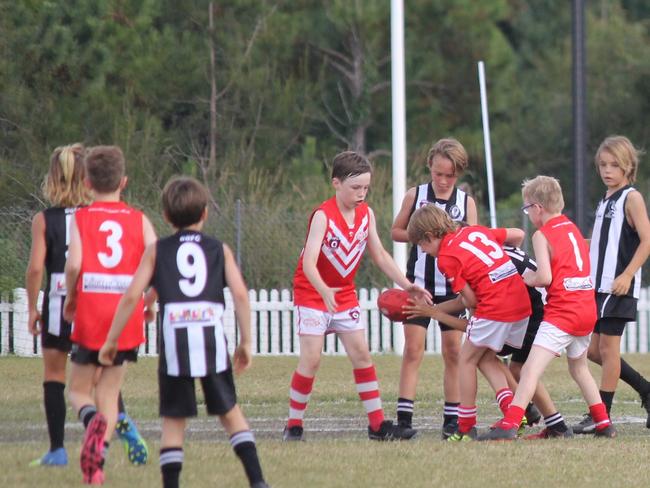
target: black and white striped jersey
<point>189,278</point>
<point>523,262</point>
<point>57,238</point>
<point>613,243</point>
<point>421,268</point>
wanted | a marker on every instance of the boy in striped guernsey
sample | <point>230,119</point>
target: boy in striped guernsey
<point>188,272</point>
<point>446,161</point>
<point>325,297</point>
<point>620,244</point>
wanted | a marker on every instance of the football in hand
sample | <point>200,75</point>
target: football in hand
<point>390,303</point>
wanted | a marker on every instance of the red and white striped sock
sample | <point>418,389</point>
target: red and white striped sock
<point>504,399</point>
<point>368,389</point>
<point>299,394</point>
<point>598,412</point>
<point>466,418</point>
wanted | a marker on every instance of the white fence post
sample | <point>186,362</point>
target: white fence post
<point>286,323</point>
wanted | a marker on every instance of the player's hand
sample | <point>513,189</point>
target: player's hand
<point>34,323</point>
<point>418,307</point>
<point>69,308</point>
<point>328,295</point>
<point>419,293</point>
<point>149,315</point>
<point>242,358</point>
<point>107,353</point>
<point>621,284</point>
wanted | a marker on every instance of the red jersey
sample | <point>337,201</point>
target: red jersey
<point>473,255</point>
<point>338,260</point>
<point>570,299</point>
<point>112,244</point>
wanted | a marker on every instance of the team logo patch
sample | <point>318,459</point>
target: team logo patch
<point>354,314</point>
<point>454,212</point>
<point>362,235</point>
<point>422,203</point>
<point>611,210</point>
<point>334,242</point>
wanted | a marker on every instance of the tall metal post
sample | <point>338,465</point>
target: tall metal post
<point>579,114</point>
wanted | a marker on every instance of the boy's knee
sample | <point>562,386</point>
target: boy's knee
<point>451,354</point>
<point>412,354</point>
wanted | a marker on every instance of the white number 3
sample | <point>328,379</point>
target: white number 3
<point>113,243</point>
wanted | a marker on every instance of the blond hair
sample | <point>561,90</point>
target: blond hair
<point>429,219</point>
<point>63,185</point>
<point>624,152</point>
<point>452,150</point>
<point>545,191</point>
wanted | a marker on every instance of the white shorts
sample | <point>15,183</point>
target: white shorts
<point>318,322</point>
<point>494,334</point>
<point>556,340</point>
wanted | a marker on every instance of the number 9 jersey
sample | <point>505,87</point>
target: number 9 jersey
<point>112,243</point>
<point>189,278</point>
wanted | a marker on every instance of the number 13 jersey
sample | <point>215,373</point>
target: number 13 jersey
<point>473,255</point>
<point>112,243</point>
<point>189,276</point>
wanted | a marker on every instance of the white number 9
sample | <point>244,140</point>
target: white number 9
<point>195,271</point>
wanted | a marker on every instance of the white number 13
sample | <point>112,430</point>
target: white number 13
<point>495,253</point>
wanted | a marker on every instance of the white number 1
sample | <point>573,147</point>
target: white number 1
<point>579,262</point>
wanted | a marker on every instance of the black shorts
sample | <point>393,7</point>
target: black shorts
<point>613,306</point>
<point>51,341</point>
<point>81,355</point>
<point>610,326</point>
<point>177,394</point>
<point>520,355</point>
<point>425,321</point>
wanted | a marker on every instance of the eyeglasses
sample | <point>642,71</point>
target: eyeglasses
<point>525,208</point>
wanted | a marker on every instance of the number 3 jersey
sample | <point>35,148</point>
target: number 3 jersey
<point>112,243</point>
<point>473,255</point>
<point>189,277</point>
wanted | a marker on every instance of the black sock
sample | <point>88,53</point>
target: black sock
<point>405,412</point>
<point>243,443</point>
<point>633,378</point>
<point>86,414</point>
<point>450,413</point>
<point>54,400</point>
<point>120,404</point>
<point>607,397</point>
<point>171,464</point>
<point>555,422</point>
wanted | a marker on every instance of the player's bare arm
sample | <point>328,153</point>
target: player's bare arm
<point>514,236</point>
<point>72,270</point>
<point>398,230</point>
<point>310,258</point>
<point>235,282</point>
<point>472,213</point>
<point>387,264</point>
<point>148,232</point>
<point>128,302</point>
<point>34,273</point>
<point>543,276</point>
<point>468,297</point>
<point>637,216</point>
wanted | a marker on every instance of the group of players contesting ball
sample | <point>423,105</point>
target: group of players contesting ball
<point>106,269</point>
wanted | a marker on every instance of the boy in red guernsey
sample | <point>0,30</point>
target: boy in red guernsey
<point>474,263</point>
<point>563,267</point>
<point>326,299</point>
<point>107,240</point>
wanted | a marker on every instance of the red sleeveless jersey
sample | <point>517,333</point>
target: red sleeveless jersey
<point>338,260</point>
<point>570,299</point>
<point>112,244</point>
<point>473,255</point>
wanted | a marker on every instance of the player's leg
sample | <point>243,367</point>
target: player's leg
<point>54,369</point>
<point>610,353</point>
<point>496,373</point>
<point>450,347</point>
<point>577,362</point>
<point>365,378</point>
<point>171,450</point>
<point>414,339</point>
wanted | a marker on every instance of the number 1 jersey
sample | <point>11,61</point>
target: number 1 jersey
<point>473,255</point>
<point>112,242</point>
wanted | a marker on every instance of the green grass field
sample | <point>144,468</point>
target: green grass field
<point>337,452</point>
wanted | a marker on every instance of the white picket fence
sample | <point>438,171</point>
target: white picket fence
<point>273,328</point>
